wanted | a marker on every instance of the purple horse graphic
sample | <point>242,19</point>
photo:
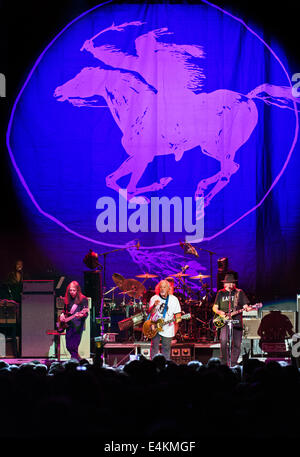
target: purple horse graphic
<point>155,98</point>
<point>164,263</point>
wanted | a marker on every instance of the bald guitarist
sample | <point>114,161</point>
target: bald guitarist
<point>164,305</point>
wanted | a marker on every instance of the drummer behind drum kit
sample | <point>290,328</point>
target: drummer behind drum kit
<point>197,304</point>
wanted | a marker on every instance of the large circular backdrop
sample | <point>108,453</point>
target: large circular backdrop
<point>162,123</point>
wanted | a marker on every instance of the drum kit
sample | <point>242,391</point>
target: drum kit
<point>135,297</point>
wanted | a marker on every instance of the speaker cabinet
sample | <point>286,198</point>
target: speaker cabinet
<point>37,317</point>
<point>203,353</point>
<point>118,354</point>
<point>145,351</point>
<point>93,288</point>
<point>182,354</point>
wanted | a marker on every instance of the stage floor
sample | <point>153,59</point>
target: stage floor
<point>117,354</point>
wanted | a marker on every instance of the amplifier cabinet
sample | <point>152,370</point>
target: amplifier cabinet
<point>38,286</point>
<point>250,327</point>
<point>9,313</point>
<point>182,353</point>
<point>37,317</point>
<point>60,303</point>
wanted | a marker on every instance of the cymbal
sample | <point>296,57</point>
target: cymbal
<point>133,288</point>
<point>200,276</point>
<point>110,290</point>
<point>118,279</point>
<point>146,276</point>
<point>5,301</point>
<point>169,278</point>
<point>179,275</point>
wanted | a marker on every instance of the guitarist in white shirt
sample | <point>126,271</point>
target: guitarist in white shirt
<point>76,304</point>
<point>164,305</point>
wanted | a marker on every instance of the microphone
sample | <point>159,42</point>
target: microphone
<point>185,268</point>
<point>189,249</point>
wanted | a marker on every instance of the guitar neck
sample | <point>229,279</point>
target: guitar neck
<point>78,314</point>
<point>70,318</point>
<point>185,316</point>
<point>234,313</point>
<point>169,321</point>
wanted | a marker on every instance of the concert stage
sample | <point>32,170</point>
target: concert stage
<point>118,354</point>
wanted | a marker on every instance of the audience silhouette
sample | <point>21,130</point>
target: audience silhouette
<point>149,400</point>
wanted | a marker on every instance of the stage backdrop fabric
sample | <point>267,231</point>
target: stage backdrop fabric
<point>163,124</point>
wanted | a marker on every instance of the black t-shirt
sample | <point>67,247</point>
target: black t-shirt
<point>233,300</point>
<point>76,323</point>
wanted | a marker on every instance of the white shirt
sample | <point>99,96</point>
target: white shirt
<point>173,308</point>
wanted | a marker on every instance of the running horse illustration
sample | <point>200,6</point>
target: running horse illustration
<point>144,95</point>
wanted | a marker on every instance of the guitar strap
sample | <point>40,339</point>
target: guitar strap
<point>236,299</point>
<point>164,311</point>
<point>166,307</point>
<point>74,308</point>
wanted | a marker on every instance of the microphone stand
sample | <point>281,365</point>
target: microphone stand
<point>211,253</point>
<point>230,331</point>
<point>104,254</point>
<point>230,323</point>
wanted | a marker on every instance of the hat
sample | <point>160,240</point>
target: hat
<point>229,277</point>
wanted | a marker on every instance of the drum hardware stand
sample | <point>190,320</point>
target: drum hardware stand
<point>104,254</point>
<point>102,321</point>
<point>188,324</point>
<point>211,253</point>
<point>111,290</point>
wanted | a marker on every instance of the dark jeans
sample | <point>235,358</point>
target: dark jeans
<point>165,343</point>
<point>73,339</point>
<point>235,346</point>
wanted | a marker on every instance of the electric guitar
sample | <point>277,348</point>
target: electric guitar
<point>220,321</point>
<point>61,326</point>
<point>151,328</point>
